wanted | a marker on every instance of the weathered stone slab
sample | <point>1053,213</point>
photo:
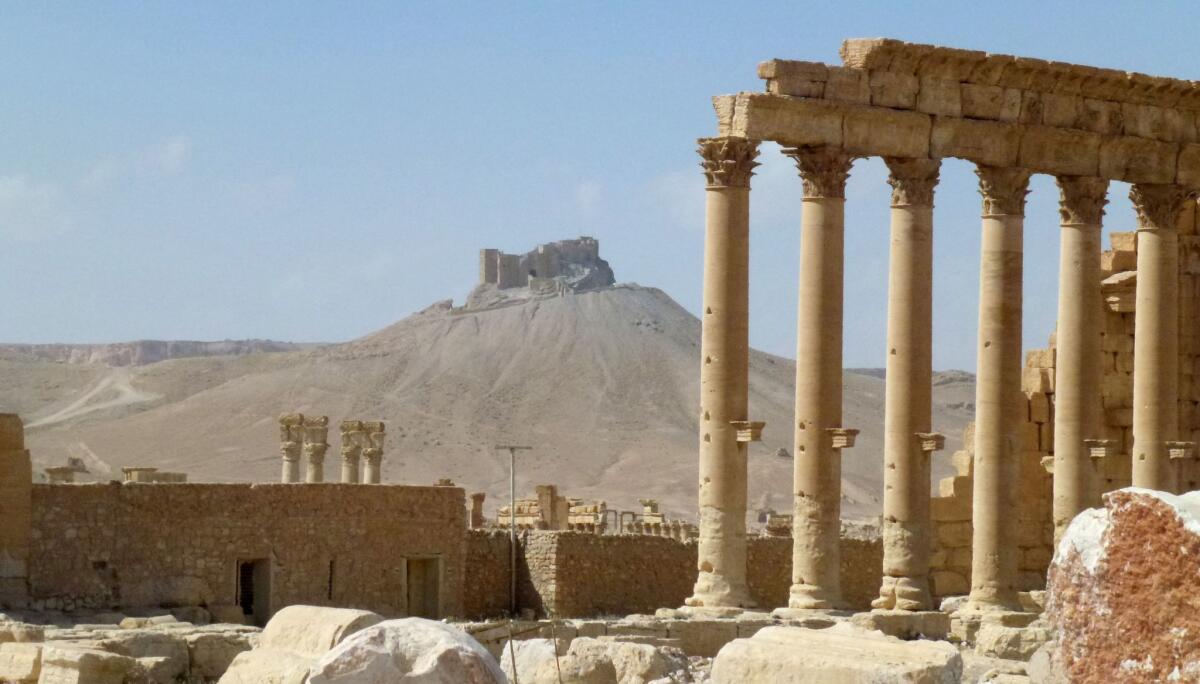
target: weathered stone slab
<point>20,662</point>
<point>65,665</point>
<point>840,654</point>
<point>904,624</point>
<point>1134,563</point>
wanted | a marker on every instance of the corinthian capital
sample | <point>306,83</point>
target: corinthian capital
<point>1081,200</point>
<point>1157,205</point>
<point>912,180</point>
<point>728,162</point>
<point>824,170</point>
<point>1003,189</point>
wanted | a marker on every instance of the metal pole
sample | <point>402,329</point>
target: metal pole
<point>512,523</point>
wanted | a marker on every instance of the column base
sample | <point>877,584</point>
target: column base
<point>810,597</point>
<point>991,601</point>
<point>904,593</point>
<point>716,591</point>
<point>906,624</point>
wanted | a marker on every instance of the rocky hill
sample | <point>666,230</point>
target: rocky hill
<point>141,352</point>
<point>603,384</point>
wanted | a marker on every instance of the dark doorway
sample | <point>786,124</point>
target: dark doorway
<point>424,577</point>
<point>254,590</point>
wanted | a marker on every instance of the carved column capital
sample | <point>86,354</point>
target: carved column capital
<point>315,451</point>
<point>824,170</point>
<point>1081,200</point>
<point>728,162</point>
<point>372,455</point>
<point>1003,189</point>
<point>1158,205</point>
<point>290,450</point>
<point>350,453</point>
<point>912,180</point>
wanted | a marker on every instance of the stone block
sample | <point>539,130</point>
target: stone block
<point>904,624</point>
<point>983,142</point>
<point>1060,110</point>
<point>139,644</point>
<point>940,97</point>
<point>1035,380</point>
<point>20,663</point>
<point>950,508</point>
<point>1060,151</point>
<point>1144,121</point>
<point>1123,241</point>
<point>1117,262</point>
<point>946,583</point>
<point>1138,160</point>
<point>21,632</point>
<point>211,653</point>
<point>590,628</point>
<point>1039,408</point>
<point>790,121</point>
<point>990,102</point>
<point>848,85</point>
<point>1120,417</point>
<point>66,665</point>
<point>962,461</point>
<point>886,133</point>
<point>1189,166</point>
<point>795,78</point>
<point>954,534</point>
<point>702,637</point>
<point>748,628</point>
<point>892,89</point>
<point>1040,358</point>
<point>840,654</point>
<point>1100,116</point>
<point>1009,643</point>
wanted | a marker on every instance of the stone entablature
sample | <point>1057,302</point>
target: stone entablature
<point>918,101</point>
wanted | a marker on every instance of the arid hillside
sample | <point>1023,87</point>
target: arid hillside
<point>603,384</point>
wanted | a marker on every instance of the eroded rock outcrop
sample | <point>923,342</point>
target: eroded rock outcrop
<point>1123,586</point>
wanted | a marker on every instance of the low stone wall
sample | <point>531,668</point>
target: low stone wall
<point>131,545</point>
<point>575,574</point>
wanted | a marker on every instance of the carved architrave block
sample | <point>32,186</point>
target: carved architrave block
<point>841,438</point>
<point>748,431</point>
<point>931,441</point>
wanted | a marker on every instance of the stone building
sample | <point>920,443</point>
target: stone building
<point>1111,402</point>
<point>573,264</point>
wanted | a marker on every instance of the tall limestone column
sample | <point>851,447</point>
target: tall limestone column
<point>1077,369</point>
<point>816,522</point>
<point>908,388</point>
<point>291,437</point>
<point>998,389</point>
<point>728,164</point>
<point>16,512</point>
<point>1156,334</point>
<point>352,444</point>
<point>316,435</point>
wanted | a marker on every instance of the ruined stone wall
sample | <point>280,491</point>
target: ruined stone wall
<point>486,580</point>
<point>951,561</point>
<point>16,477</point>
<point>577,574</point>
<point>115,546</point>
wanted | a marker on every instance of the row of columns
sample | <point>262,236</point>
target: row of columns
<point>728,164</point>
<point>362,445</point>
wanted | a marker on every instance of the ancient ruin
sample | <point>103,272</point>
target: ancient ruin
<point>115,580</point>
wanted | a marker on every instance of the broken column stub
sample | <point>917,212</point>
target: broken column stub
<point>16,491</point>
<point>372,452</point>
<point>353,438</point>
<point>316,443</point>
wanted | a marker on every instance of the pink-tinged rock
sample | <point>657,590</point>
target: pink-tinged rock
<point>1124,588</point>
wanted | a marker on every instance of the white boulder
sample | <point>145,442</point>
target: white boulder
<point>408,650</point>
<point>292,641</point>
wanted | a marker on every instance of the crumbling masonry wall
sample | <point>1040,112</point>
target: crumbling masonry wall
<point>577,574</point>
<point>132,545</point>
<point>951,560</point>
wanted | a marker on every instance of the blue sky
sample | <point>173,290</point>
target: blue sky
<point>318,171</point>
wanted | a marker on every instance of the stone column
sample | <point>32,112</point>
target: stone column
<point>316,435</point>
<point>908,389</point>
<point>476,518</point>
<point>16,501</point>
<point>728,164</point>
<point>1077,369</point>
<point>816,523</point>
<point>1156,334</point>
<point>352,438</point>
<point>998,396</point>
<point>373,455</point>
<point>291,437</point>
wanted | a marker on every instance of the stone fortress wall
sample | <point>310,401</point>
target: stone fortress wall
<point>566,260</point>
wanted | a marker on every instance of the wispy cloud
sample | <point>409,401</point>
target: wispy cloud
<point>170,156</point>
<point>32,210</point>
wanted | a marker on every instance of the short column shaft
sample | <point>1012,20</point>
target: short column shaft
<point>728,164</point>
<point>817,478</point>
<point>998,387</point>
<point>908,387</point>
<point>1156,334</point>
<point>1077,368</point>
